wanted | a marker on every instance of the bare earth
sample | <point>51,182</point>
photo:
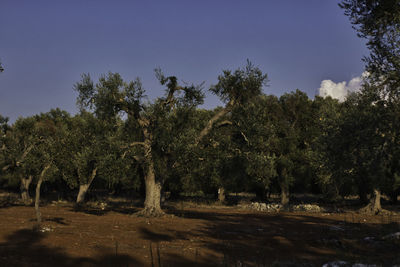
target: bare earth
<point>213,236</point>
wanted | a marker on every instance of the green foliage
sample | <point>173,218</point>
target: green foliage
<point>328,158</point>
<point>240,86</point>
<point>378,21</point>
<point>257,143</point>
<point>373,114</point>
<point>257,140</point>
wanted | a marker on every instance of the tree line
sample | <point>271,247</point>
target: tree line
<point>257,143</point>
<point>254,143</point>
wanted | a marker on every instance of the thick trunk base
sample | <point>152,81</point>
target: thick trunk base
<point>150,212</point>
<point>284,196</point>
<point>37,202</point>
<point>82,193</point>
<point>221,194</point>
<point>37,196</point>
<point>152,203</point>
<point>25,197</point>
<point>83,188</point>
<point>374,206</point>
<point>25,183</point>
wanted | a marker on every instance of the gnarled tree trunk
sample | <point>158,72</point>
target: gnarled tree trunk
<point>25,183</point>
<point>152,203</point>
<point>37,196</point>
<point>206,130</point>
<point>221,194</point>
<point>83,188</point>
<point>374,206</point>
<point>284,194</point>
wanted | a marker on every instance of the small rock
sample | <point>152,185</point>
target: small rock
<point>336,264</point>
<point>394,236</point>
<point>265,207</point>
<point>369,239</point>
<point>307,207</point>
<point>336,228</point>
<point>45,229</point>
<point>346,264</point>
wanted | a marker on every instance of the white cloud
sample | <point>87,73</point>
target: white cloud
<point>342,89</point>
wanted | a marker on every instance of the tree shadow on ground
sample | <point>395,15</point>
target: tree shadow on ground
<point>262,239</point>
<point>122,207</point>
<point>152,236</point>
<point>24,248</point>
<point>57,220</point>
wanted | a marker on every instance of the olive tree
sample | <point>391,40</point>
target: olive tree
<point>111,95</point>
<point>18,143</point>
<point>236,89</point>
<point>87,144</point>
<point>378,22</point>
<point>4,132</point>
<point>49,131</point>
<point>294,131</point>
<point>257,141</point>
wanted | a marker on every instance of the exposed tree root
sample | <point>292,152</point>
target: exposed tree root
<point>371,210</point>
<point>374,207</point>
<point>150,213</point>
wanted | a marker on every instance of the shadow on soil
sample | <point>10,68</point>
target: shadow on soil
<point>263,239</point>
<point>226,238</point>
<point>24,248</point>
<point>57,220</point>
<point>122,207</point>
<point>154,237</point>
<point>257,239</point>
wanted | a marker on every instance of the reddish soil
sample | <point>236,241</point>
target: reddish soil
<point>213,236</point>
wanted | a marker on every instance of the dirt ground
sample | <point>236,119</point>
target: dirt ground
<point>192,236</point>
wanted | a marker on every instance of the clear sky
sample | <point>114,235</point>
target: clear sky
<point>46,45</point>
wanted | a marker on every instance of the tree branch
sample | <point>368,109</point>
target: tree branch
<point>224,123</point>
<point>6,167</point>
<point>136,144</point>
<point>93,175</point>
<point>214,119</point>
<point>170,98</point>
<point>244,136</point>
<point>20,160</point>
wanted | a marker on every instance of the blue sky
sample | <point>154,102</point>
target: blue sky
<point>46,45</point>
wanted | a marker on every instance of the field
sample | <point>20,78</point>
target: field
<point>192,235</point>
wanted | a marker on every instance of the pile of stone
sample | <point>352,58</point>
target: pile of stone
<point>394,236</point>
<point>347,264</point>
<point>101,205</point>
<point>275,207</point>
<point>307,208</point>
<point>7,199</point>
<point>271,207</point>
